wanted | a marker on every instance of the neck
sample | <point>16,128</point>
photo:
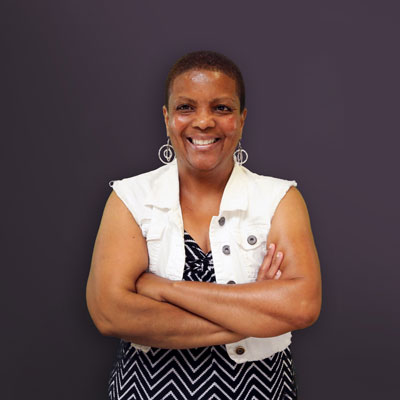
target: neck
<point>204,183</point>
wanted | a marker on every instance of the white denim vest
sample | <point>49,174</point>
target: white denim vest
<point>238,235</point>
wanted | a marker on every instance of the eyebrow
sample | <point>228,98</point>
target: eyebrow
<point>212,101</point>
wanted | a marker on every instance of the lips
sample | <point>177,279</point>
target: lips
<point>202,142</point>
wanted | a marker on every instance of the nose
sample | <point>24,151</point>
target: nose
<point>203,120</point>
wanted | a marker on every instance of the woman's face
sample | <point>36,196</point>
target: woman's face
<point>204,121</point>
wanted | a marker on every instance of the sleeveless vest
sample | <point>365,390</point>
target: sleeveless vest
<point>238,235</point>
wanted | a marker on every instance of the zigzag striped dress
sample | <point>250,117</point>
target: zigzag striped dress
<point>202,373</point>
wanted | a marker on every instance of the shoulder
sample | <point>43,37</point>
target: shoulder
<point>146,178</point>
<point>136,191</point>
<point>291,217</point>
<point>142,185</point>
<point>269,188</point>
<point>267,180</point>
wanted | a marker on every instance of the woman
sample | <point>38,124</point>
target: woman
<point>180,269</point>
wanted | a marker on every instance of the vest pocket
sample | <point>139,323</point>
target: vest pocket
<point>252,243</point>
<point>153,239</point>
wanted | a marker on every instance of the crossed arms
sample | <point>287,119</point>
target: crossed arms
<point>125,301</point>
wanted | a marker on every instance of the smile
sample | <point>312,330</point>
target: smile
<point>199,142</point>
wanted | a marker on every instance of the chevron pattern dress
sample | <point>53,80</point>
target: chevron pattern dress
<point>202,373</point>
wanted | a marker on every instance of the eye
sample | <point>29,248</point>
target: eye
<point>223,107</point>
<point>184,107</point>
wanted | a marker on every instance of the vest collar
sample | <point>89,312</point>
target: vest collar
<point>165,190</point>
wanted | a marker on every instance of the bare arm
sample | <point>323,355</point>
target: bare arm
<point>268,307</point>
<point>165,325</point>
<point>119,257</point>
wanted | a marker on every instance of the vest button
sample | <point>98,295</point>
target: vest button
<point>240,350</point>
<point>231,282</point>
<point>226,249</point>
<point>251,239</point>
<point>221,221</point>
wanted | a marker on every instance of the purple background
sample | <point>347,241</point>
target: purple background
<point>82,93</point>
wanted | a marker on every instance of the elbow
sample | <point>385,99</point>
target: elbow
<point>307,304</point>
<point>99,311</point>
<point>101,322</point>
<point>308,314</point>
<point>104,326</point>
<point>108,310</point>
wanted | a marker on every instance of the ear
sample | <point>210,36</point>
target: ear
<point>243,117</point>
<point>166,116</point>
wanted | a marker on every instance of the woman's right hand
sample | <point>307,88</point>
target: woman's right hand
<point>270,266</point>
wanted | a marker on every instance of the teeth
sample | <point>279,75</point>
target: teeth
<point>203,142</point>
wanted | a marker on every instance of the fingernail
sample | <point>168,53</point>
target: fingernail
<point>279,254</point>
<point>271,246</point>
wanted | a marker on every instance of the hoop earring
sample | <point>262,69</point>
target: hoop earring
<point>168,153</point>
<point>240,156</point>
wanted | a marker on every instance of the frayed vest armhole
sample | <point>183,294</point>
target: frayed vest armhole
<point>279,193</point>
<point>125,192</point>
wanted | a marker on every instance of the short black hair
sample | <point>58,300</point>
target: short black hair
<point>208,60</point>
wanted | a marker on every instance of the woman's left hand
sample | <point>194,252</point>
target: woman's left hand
<point>270,268</point>
<point>151,285</point>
